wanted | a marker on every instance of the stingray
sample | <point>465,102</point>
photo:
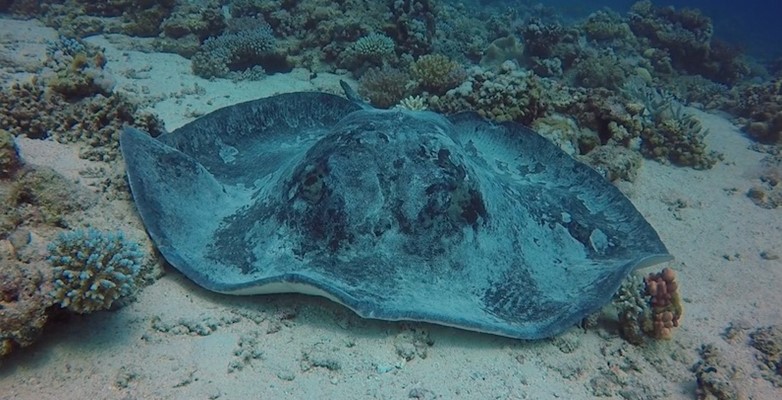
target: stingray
<point>396,214</point>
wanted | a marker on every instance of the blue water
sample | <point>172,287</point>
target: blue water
<point>753,25</point>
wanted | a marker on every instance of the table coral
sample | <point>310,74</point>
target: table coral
<point>93,269</point>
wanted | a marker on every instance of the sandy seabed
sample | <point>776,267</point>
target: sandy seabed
<point>178,341</point>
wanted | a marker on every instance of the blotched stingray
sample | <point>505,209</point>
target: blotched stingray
<point>398,215</point>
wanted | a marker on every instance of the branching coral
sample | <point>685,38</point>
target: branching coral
<point>92,269</point>
<point>251,43</point>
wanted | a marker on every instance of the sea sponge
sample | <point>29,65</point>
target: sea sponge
<point>92,269</point>
<point>666,304</point>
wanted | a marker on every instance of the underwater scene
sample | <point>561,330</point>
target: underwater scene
<point>390,199</point>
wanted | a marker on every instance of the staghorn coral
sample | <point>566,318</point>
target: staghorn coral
<point>437,73</point>
<point>669,133</point>
<point>413,103</point>
<point>93,269</point>
<point>509,94</point>
<point>384,87</point>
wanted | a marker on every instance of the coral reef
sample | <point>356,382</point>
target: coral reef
<point>384,87</point>
<point>768,192</point>
<point>24,298</point>
<point>687,36</point>
<point>9,155</point>
<point>415,24</point>
<point>374,49</point>
<point>437,73</point>
<point>93,269</point>
<point>759,108</point>
<point>41,195</point>
<point>94,122</point>
<point>714,377</point>
<point>81,75</point>
<point>648,307</point>
<point>247,43</point>
<point>614,162</point>
<point>768,341</point>
<point>599,70</point>
<point>507,94</point>
<point>666,304</point>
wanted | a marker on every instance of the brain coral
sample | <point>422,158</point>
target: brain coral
<point>92,269</point>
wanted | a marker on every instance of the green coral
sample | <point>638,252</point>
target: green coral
<point>92,269</point>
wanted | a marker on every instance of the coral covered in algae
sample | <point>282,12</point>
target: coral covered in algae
<point>93,269</point>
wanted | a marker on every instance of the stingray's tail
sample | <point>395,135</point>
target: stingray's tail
<point>353,96</point>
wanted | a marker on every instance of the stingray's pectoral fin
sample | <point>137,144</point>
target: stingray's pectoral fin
<point>173,192</point>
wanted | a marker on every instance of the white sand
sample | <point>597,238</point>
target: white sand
<point>178,341</point>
